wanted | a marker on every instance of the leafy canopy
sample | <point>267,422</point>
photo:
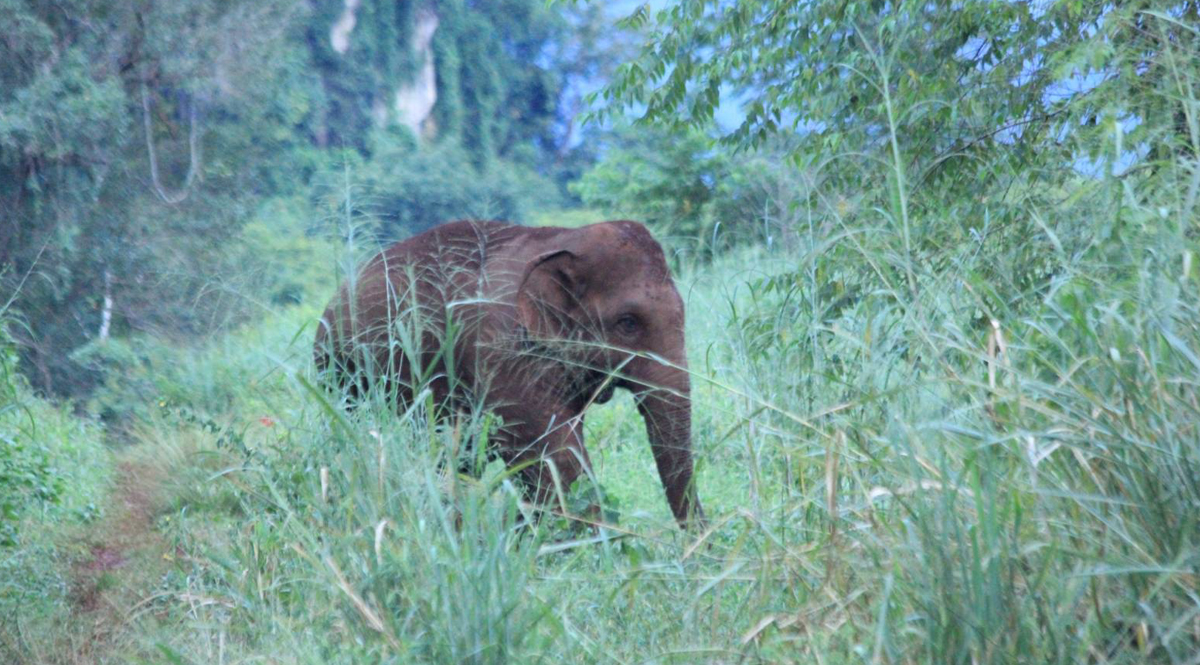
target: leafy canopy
<point>953,79</point>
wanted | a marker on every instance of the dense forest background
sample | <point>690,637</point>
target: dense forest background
<point>940,265</point>
<point>140,141</point>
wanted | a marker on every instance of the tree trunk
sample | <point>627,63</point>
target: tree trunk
<point>107,309</point>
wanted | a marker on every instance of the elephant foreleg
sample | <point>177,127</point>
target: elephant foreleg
<point>553,461</point>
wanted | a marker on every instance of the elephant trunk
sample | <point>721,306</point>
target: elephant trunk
<point>666,406</point>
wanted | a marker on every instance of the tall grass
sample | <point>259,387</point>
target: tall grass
<point>906,456</point>
<point>891,478</point>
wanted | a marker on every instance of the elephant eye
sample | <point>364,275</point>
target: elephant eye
<point>628,324</point>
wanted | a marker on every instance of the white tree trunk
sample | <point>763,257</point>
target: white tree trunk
<point>414,101</point>
<point>107,309</point>
<point>339,34</point>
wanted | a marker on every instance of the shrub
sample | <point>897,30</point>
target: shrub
<point>702,196</point>
<point>401,190</point>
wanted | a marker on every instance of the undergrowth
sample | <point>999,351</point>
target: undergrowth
<point>54,471</point>
<point>910,475</point>
<point>920,438</point>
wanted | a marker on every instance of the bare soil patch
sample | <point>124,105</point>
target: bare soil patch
<point>123,551</point>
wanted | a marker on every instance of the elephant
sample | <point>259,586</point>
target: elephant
<point>537,323</point>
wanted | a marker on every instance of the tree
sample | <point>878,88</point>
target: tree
<point>980,108</point>
<point>136,140</point>
<point>496,92</point>
<point>131,139</point>
<point>951,78</point>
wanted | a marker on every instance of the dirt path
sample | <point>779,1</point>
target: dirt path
<point>124,555</point>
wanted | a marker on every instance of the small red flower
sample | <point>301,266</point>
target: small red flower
<point>267,421</point>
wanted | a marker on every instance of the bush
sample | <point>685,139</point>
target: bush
<point>401,190</point>
<point>52,463</point>
<point>26,474</point>
<point>54,470</point>
<point>702,196</point>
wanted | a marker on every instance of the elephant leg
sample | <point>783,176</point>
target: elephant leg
<point>475,450</point>
<point>560,460</point>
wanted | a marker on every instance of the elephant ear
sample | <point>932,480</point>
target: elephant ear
<point>548,298</point>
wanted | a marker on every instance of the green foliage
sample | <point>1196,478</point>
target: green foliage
<point>271,266</point>
<point>500,98</point>
<point>54,469</point>
<point>51,463</point>
<point>25,472</point>
<point>666,180</point>
<point>701,196</point>
<point>960,493</point>
<point>281,262</point>
<point>960,72</point>
<point>403,191</point>
<point>495,95</point>
<point>906,110</point>
<point>934,489</point>
<point>944,404</point>
<point>91,93</point>
<point>137,141</point>
<point>376,61</point>
<point>145,375</point>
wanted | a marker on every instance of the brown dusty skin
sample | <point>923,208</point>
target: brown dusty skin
<point>546,321</point>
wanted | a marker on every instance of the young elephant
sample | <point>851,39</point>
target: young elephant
<point>543,322</point>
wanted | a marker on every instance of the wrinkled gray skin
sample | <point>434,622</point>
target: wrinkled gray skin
<point>546,319</point>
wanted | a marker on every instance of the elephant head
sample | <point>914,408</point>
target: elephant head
<point>603,295</point>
